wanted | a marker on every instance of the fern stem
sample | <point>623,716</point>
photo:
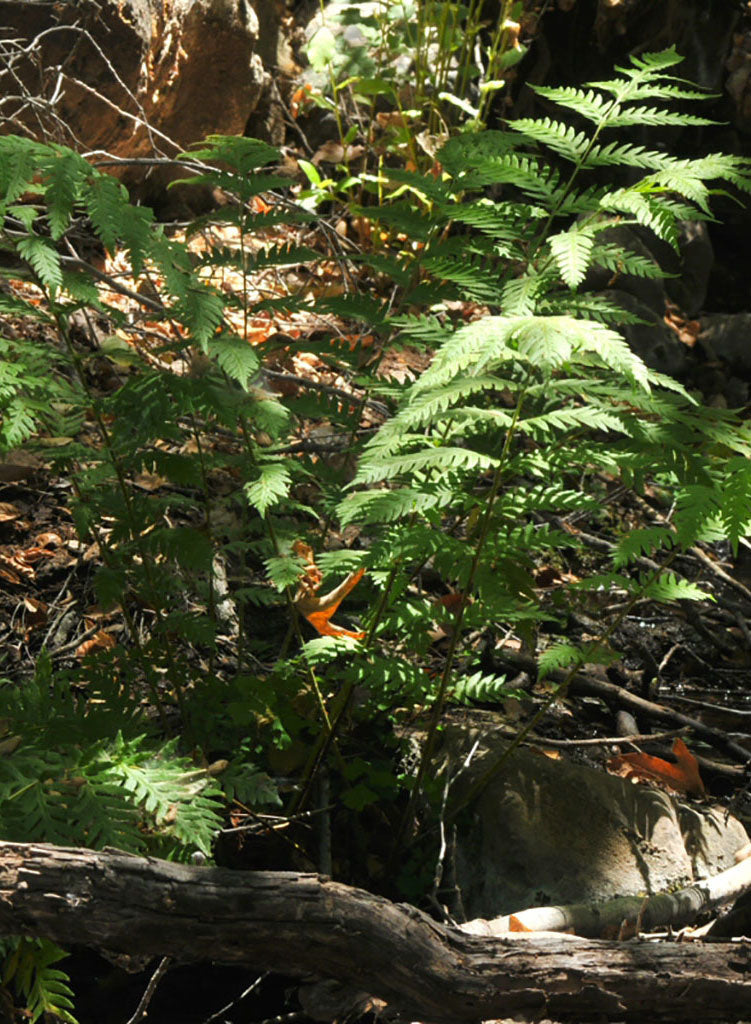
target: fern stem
<point>440,699</point>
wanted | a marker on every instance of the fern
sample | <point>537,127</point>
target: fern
<point>642,542</point>
<point>482,688</point>
<point>77,779</point>
<point>44,988</point>
<point>459,487</point>
<point>517,402</point>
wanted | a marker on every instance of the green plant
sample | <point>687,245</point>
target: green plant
<point>28,965</point>
<point>434,64</point>
<point>522,410</point>
<point>523,416</point>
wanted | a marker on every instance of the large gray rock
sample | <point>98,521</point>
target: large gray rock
<point>547,831</point>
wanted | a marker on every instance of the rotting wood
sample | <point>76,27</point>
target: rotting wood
<point>306,924</point>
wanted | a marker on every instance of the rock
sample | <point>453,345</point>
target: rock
<point>547,831</point>
<point>653,341</point>
<point>689,269</point>
<point>133,78</point>
<point>727,336</point>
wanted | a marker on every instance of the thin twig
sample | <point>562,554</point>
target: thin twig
<point>148,995</point>
<point>243,995</point>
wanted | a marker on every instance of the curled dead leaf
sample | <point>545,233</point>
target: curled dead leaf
<point>682,776</point>
<point>318,610</point>
<point>101,641</point>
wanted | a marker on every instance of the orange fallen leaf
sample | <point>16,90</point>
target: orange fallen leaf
<point>8,512</point>
<point>319,609</point>
<point>101,641</point>
<point>515,925</point>
<point>682,776</point>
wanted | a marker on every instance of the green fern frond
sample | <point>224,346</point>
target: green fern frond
<point>45,989</point>
<point>669,587</point>
<point>647,210</point>
<point>63,175</point>
<point>642,542</point>
<point>617,154</point>
<point>657,117</point>
<point>521,295</point>
<point>622,261</point>
<point>388,506</point>
<point>585,102</point>
<point>736,506</point>
<point>44,258</point>
<point>237,151</point>
<point>572,251</point>
<point>105,200</point>
<point>270,488</point>
<point>556,421</point>
<point>482,688</point>
<point>235,356</point>
<point>571,656</point>
<point>556,135</point>
<point>444,459</point>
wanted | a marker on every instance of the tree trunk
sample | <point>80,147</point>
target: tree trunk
<point>306,924</point>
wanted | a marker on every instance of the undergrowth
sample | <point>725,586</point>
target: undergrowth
<point>526,413</point>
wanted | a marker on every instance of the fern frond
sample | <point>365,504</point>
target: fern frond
<point>481,688</point>
<point>235,356</point>
<point>44,258</point>
<point>63,174</point>
<point>270,488</point>
<point>647,210</point>
<point>572,251</point>
<point>669,587</point>
<point>443,459</point>
<point>642,542</point>
<point>45,989</point>
<point>388,506</point>
<point>570,656</point>
<point>590,104</point>
<point>655,117</point>
<point>556,135</point>
<point>623,261</point>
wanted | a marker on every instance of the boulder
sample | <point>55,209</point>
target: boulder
<point>551,831</point>
<point>727,337</point>
<point>131,78</point>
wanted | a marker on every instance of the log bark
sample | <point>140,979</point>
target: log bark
<point>306,924</point>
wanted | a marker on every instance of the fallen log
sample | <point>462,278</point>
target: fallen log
<point>306,924</point>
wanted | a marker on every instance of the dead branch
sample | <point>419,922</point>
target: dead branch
<point>663,909</point>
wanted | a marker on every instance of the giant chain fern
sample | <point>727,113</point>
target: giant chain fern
<point>519,408</point>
